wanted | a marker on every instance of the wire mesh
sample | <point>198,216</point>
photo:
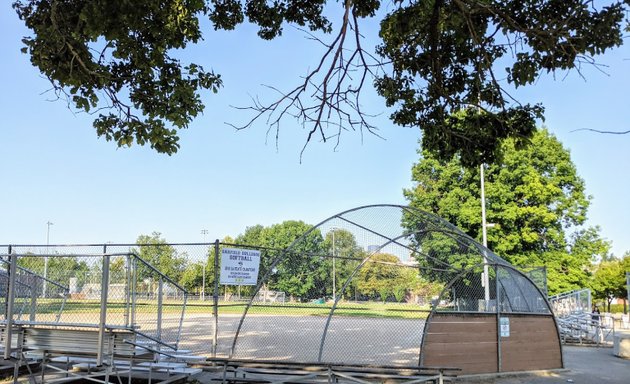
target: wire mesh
<point>358,288</point>
<point>518,294</point>
<point>570,303</point>
<point>75,291</point>
<point>538,275</point>
<point>37,298</point>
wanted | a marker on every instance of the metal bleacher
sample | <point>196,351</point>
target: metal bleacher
<point>55,351</point>
<point>576,322</point>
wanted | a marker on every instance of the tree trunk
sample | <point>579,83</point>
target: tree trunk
<point>609,301</point>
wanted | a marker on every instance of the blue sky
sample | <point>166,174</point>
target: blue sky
<point>55,168</point>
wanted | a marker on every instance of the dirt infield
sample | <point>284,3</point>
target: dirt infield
<point>355,340</point>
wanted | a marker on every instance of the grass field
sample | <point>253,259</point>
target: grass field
<point>351,309</point>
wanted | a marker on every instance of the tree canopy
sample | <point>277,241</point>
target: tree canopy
<point>609,280</point>
<point>300,272</point>
<point>116,59</point>
<point>534,197</point>
<point>156,251</point>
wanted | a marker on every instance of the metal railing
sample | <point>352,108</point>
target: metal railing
<point>348,294</point>
<point>92,291</point>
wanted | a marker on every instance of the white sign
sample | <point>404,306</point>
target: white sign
<point>505,326</point>
<point>239,266</point>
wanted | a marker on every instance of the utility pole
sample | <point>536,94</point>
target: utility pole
<point>334,277</point>
<point>485,278</point>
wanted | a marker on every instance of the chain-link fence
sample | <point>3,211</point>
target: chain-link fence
<point>73,290</point>
<point>359,288</point>
<point>29,287</point>
<point>575,302</point>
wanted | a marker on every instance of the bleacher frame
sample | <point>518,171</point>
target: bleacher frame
<point>277,372</point>
<point>93,352</point>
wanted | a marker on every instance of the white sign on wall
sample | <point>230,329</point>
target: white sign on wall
<point>239,266</point>
<point>505,326</point>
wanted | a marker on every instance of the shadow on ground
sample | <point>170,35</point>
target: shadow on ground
<point>583,365</point>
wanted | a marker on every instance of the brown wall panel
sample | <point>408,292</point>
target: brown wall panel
<point>533,344</point>
<point>463,327</point>
<point>466,341</point>
<point>452,337</point>
<point>464,348</point>
<point>469,342</point>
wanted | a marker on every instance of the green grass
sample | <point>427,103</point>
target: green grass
<point>367,310</point>
<point>371,310</point>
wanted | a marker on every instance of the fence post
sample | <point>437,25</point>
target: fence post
<point>134,285</point>
<point>34,294</point>
<point>127,290</point>
<point>215,298</point>
<point>10,250</point>
<point>181,320</point>
<point>159,308</point>
<point>101,324</point>
<point>498,303</point>
<point>9,313</point>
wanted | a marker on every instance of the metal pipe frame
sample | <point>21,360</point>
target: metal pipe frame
<point>103,317</point>
<point>9,313</point>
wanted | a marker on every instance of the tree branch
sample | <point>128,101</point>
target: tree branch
<point>329,96</point>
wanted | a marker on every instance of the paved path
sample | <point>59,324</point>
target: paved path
<point>584,365</point>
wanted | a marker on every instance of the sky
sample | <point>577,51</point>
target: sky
<point>55,169</point>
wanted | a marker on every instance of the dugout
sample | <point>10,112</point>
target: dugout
<point>489,317</point>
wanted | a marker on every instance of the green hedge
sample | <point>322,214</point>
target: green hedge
<point>614,308</point>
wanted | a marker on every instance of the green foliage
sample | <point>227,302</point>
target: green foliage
<point>535,198</point>
<point>155,250</point>
<point>618,308</point>
<point>116,55</point>
<point>348,255</point>
<point>609,281</point>
<point>192,278</point>
<point>300,272</point>
<point>383,277</point>
<point>32,263</point>
<point>445,56</point>
<point>60,268</point>
<point>117,59</point>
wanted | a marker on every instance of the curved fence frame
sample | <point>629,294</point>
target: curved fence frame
<point>490,261</point>
<point>227,324</point>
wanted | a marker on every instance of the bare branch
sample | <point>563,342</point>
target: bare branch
<point>604,132</point>
<point>327,101</point>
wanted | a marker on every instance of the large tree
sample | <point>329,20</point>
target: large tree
<point>200,271</point>
<point>534,197</point>
<point>384,277</point>
<point>609,281</point>
<point>156,251</point>
<point>118,59</point>
<point>301,271</point>
<point>346,255</point>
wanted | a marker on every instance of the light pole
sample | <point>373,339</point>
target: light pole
<point>485,278</point>
<point>204,232</point>
<point>203,281</point>
<point>48,224</point>
<point>334,278</point>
